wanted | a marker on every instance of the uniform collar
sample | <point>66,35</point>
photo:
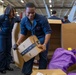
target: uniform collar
<point>35,21</point>
<point>36,18</point>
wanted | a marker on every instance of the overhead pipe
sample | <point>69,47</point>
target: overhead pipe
<point>47,9</point>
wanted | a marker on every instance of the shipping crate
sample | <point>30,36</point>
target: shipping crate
<point>55,41</point>
<point>48,72</point>
<point>69,35</point>
<point>29,48</point>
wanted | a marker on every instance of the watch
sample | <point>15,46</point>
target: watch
<point>44,45</point>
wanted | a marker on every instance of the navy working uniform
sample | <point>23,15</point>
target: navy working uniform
<point>54,17</point>
<point>6,26</point>
<point>40,28</point>
<point>66,21</point>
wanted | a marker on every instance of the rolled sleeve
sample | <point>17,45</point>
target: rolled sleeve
<point>23,29</point>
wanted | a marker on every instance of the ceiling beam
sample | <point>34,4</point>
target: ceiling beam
<point>37,6</point>
<point>48,7</point>
<point>61,9</point>
<point>11,3</point>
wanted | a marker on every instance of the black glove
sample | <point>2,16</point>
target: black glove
<point>15,46</point>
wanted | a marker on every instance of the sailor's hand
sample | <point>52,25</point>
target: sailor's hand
<point>15,46</point>
<point>42,46</point>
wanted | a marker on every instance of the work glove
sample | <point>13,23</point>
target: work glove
<point>15,46</point>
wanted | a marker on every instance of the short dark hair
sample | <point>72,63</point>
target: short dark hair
<point>53,12</point>
<point>66,17</point>
<point>30,4</point>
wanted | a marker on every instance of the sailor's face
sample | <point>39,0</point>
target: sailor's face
<point>30,13</point>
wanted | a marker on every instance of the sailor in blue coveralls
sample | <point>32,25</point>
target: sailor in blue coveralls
<point>38,25</point>
<point>54,16</point>
<point>7,21</point>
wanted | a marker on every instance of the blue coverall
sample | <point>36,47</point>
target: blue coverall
<point>40,28</point>
<point>6,26</point>
<point>54,17</point>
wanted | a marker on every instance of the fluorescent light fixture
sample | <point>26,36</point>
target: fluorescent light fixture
<point>18,15</point>
<point>50,1</point>
<point>16,12</point>
<point>50,5</point>
<point>22,1</point>
<point>51,10</point>
<point>1,1</point>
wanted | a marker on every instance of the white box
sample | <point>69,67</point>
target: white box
<point>29,49</point>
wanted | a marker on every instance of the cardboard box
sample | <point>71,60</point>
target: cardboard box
<point>29,49</point>
<point>48,72</point>
<point>55,41</point>
<point>69,35</point>
<point>72,68</point>
<point>16,55</point>
<point>69,39</point>
<point>54,21</point>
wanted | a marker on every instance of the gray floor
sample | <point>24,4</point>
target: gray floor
<point>16,71</point>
